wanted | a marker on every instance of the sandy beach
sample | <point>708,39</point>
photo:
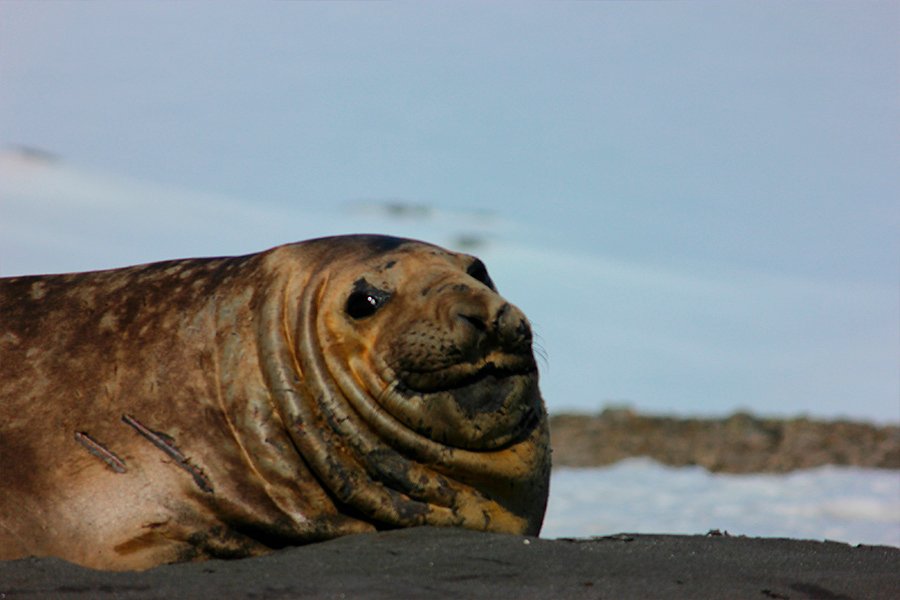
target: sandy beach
<point>436,564</point>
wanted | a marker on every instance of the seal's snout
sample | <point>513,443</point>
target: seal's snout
<point>513,329</point>
<point>505,328</point>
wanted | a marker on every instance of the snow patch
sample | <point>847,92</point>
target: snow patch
<point>858,506</point>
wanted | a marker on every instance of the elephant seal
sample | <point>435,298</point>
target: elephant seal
<point>226,407</point>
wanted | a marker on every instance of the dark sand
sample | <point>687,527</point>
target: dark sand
<point>435,564</point>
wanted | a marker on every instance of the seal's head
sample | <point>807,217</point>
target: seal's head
<point>428,336</point>
<point>427,379</point>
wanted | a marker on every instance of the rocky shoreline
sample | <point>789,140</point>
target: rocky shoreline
<point>740,443</point>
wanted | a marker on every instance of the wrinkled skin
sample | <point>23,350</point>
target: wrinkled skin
<point>225,407</point>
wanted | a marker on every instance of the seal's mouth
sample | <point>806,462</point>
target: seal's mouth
<point>487,372</point>
<point>481,405</point>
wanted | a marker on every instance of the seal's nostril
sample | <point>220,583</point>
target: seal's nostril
<point>523,330</point>
<point>474,321</point>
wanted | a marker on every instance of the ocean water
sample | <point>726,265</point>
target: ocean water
<point>852,505</point>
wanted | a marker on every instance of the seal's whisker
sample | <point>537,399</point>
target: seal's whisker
<point>538,347</point>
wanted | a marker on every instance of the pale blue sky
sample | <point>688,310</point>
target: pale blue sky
<point>735,141</point>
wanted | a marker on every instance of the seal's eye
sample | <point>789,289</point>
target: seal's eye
<point>478,271</point>
<point>361,305</point>
<point>365,299</point>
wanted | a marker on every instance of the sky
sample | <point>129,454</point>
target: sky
<point>696,203</point>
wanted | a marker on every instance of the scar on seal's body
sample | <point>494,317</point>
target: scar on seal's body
<point>100,451</point>
<point>167,445</point>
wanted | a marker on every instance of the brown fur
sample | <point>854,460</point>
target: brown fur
<point>224,407</point>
